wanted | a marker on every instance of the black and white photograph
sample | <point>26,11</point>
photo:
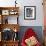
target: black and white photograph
<point>30,12</point>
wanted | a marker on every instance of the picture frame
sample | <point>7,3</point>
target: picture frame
<point>0,19</point>
<point>13,12</point>
<point>29,12</point>
<point>0,36</point>
<point>5,12</point>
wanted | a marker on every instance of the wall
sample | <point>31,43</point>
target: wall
<point>21,4</point>
<point>37,30</point>
<point>39,14</point>
<point>44,12</point>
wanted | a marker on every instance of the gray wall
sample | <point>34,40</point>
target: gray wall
<point>37,29</point>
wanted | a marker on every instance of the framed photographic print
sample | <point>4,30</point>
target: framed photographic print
<point>5,12</point>
<point>29,12</point>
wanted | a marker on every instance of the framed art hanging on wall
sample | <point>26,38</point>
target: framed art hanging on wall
<point>29,12</point>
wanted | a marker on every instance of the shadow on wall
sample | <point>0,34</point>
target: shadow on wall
<point>37,29</point>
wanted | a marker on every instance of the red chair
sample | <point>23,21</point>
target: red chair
<point>29,33</point>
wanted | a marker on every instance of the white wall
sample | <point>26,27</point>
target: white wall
<point>39,13</point>
<point>21,4</point>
